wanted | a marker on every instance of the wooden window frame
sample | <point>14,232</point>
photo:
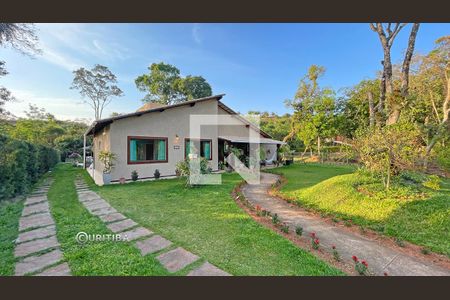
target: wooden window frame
<point>135,137</point>
<point>201,140</point>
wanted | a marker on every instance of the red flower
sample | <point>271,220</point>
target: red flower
<point>313,234</point>
<point>385,274</point>
<point>333,247</point>
<point>316,241</point>
<point>365,263</point>
<point>355,259</point>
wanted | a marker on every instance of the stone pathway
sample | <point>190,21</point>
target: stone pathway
<point>379,257</point>
<point>37,248</point>
<point>173,259</point>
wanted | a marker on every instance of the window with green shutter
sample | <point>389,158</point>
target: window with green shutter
<point>204,145</point>
<point>147,150</point>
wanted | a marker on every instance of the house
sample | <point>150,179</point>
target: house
<point>157,137</point>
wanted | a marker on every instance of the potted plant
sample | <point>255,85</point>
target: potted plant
<point>134,175</point>
<point>107,159</point>
<point>157,174</point>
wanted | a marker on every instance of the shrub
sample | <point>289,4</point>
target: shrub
<point>134,175</point>
<point>275,219</point>
<point>389,150</point>
<point>299,230</point>
<point>315,243</point>
<point>107,159</point>
<point>432,182</point>
<point>21,165</point>
<point>284,228</point>
<point>184,169</point>
<point>336,255</point>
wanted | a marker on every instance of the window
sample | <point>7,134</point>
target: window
<point>205,148</point>
<point>147,150</point>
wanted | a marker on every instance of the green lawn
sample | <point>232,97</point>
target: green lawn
<point>92,258</point>
<point>9,229</point>
<point>401,213</point>
<point>206,221</point>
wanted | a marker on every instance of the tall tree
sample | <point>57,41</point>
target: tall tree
<point>314,109</point>
<point>393,99</point>
<point>98,85</point>
<point>165,85</point>
<point>21,37</point>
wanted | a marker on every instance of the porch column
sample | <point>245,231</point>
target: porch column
<point>84,151</point>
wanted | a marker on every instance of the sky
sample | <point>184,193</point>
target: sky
<point>257,66</point>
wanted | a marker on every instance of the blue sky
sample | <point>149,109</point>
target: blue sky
<point>257,66</point>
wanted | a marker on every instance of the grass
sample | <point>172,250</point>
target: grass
<point>9,229</point>
<point>416,215</point>
<point>93,258</point>
<point>206,221</point>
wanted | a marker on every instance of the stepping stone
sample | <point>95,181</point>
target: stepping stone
<point>103,211</point>
<point>36,234</point>
<point>136,233</point>
<point>36,208</point>
<point>152,245</point>
<point>35,199</point>
<point>94,203</point>
<point>121,225</point>
<point>36,220</point>
<point>36,263</point>
<point>97,205</point>
<point>177,259</point>
<point>207,269</point>
<point>58,270</point>
<point>112,217</point>
<point>30,247</point>
<point>88,197</point>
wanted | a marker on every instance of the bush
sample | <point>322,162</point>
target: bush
<point>21,164</point>
<point>432,182</point>
<point>390,150</point>
<point>184,170</point>
<point>134,175</point>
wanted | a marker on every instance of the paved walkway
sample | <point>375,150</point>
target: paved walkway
<point>380,258</point>
<point>37,249</point>
<point>171,257</point>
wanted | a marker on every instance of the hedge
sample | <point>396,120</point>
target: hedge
<point>21,165</point>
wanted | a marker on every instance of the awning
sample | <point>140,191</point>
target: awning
<point>239,139</point>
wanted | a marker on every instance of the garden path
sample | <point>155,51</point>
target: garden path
<point>381,259</point>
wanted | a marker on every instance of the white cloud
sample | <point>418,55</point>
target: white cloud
<point>86,39</point>
<point>63,60</point>
<point>61,107</point>
<point>196,34</point>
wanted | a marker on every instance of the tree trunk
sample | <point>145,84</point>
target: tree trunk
<point>371,110</point>
<point>318,146</point>
<point>398,103</point>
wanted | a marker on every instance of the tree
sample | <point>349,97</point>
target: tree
<point>98,85</point>
<point>23,38</point>
<point>396,98</point>
<point>194,87</point>
<point>314,107</point>
<point>165,85</point>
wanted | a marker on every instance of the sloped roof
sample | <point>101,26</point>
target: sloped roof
<point>98,125</point>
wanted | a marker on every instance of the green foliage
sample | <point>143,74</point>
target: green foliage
<point>433,182</point>
<point>183,167</point>
<point>314,116</point>
<point>107,158</point>
<point>409,212</point>
<point>134,175</point>
<point>165,85</point>
<point>299,230</point>
<point>207,221</point>
<point>21,164</point>
<point>443,156</point>
<point>9,228</point>
<point>389,150</point>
